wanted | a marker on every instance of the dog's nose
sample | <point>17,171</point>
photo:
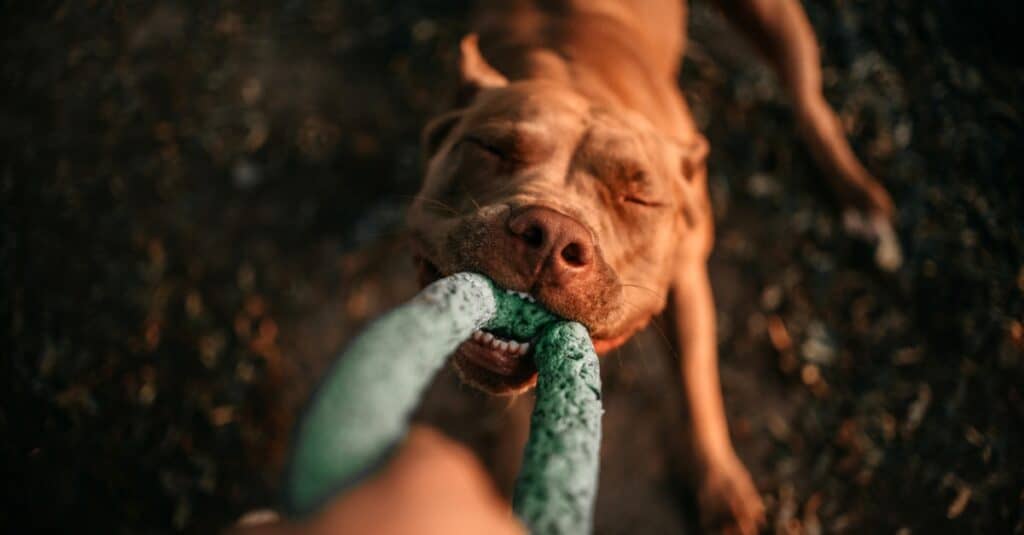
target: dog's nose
<point>555,245</point>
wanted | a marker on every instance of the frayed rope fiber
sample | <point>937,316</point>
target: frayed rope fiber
<point>361,410</point>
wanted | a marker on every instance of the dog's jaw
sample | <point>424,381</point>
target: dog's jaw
<point>505,366</point>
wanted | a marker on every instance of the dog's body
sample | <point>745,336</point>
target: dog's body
<point>571,169</point>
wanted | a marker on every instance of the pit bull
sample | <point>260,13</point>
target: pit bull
<point>571,170</point>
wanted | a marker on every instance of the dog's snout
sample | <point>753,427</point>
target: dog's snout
<point>554,245</point>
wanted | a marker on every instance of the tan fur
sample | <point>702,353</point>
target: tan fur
<point>573,106</point>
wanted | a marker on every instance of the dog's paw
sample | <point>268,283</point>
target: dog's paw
<point>728,500</point>
<point>877,230</point>
<point>864,193</point>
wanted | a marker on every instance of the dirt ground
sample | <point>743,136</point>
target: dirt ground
<point>201,201</point>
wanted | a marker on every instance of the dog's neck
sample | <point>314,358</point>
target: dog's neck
<point>604,50</point>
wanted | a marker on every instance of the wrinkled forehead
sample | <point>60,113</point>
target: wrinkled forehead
<point>532,102</point>
<point>554,115</point>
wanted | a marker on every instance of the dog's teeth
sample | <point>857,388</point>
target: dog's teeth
<point>477,335</point>
<point>513,346</point>
<point>487,337</point>
<point>524,347</point>
<point>495,344</point>
<point>503,346</point>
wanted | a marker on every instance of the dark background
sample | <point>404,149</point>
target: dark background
<point>201,200</point>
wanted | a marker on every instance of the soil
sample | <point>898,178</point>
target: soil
<point>200,203</point>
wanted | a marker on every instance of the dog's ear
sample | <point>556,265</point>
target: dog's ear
<point>474,72</point>
<point>437,131</point>
<point>693,167</point>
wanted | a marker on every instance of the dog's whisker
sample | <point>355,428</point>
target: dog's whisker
<point>670,347</point>
<point>668,342</point>
<point>634,305</point>
<point>651,290</point>
<point>434,202</point>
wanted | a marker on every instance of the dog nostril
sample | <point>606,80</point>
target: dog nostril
<point>573,255</point>
<point>533,236</point>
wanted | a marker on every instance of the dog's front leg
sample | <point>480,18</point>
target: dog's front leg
<point>781,32</point>
<point>726,494</point>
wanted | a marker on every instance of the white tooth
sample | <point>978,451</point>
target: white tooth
<point>513,346</point>
<point>524,347</point>
<point>487,337</point>
<point>495,344</point>
<point>503,346</point>
<point>477,335</point>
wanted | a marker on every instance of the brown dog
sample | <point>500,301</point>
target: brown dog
<point>572,170</point>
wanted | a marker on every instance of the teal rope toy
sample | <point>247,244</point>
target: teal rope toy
<point>361,410</point>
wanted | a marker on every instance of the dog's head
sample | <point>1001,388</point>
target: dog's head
<point>581,206</point>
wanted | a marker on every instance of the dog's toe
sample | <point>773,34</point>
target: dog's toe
<point>729,501</point>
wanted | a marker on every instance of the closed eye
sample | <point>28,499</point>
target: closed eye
<point>487,147</point>
<point>492,155</point>
<point>643,201</point>
<point>492,149</point>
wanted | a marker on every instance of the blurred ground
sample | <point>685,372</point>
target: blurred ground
<point>200,202</point>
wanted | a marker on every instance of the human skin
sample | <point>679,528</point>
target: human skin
<point>363,404</point>
<point>362,407</point>
<point>572,170</point>
<point>432,485</point>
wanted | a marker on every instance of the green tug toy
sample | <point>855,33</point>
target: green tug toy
<point>361,410</point>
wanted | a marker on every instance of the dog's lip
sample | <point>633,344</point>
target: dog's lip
<point>486,360</point>
<point>429,272</point>
<point>500,355</point>
<point>495,369</point>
